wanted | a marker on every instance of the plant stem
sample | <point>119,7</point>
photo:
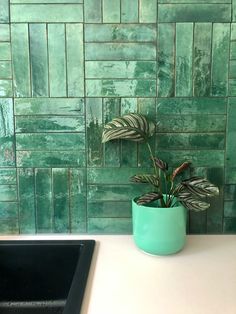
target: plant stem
<point>158,174</point>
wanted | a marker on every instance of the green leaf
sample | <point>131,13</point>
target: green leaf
<point>192,203</point>
<point>148,197</point>
<point>145,178</point>
<point>200,187</point>
<point>133,127</point>
<point>160,163</point>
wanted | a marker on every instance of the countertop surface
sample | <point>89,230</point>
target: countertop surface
<point>201,279</point>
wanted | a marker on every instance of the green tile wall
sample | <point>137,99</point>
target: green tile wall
<point>69,66</point>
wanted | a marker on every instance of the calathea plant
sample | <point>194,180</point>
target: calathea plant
<point>167,187</point>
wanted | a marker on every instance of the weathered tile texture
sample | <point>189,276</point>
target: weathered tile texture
<point>69,66</point>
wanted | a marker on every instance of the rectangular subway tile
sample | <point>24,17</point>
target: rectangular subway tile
<point>201,59</point>
<point>5,70</point>
<point>6,88</point>
<point>147,11</point>
<point>20,60</point>
<point>120,69</point>
<point>220,55</point>
<point>230,143</point>
<point>120,33</point>
<point>57,60</point>
<point>129,11</point>
<point>194,12</point>
<point>121,88</point>
<point>8,210</point>
<point>184,54</point>
<point>93,11</point>
<point>109,209</point>
<point>46,13</point>
<point>166,49</point>
<point>39,59</point>
<point>110,225</point>
<point>120,51</point>
<point>49,106</point>
<point>4,11</point>
<point>4,32</point>
<point>7,176</point>
<point>5,51</point>
<point>111,11</point>
<point>75,60</point>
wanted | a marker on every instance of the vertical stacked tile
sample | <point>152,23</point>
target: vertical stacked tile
<point>8,180</point>
<point>48,72</point>
<point>193,38</point>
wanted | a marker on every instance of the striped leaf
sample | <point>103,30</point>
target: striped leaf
<point>160,163</point>
<point>133,127</point>
<point>200,187</point>
<point>148,197</point>
<point>145,178</point>
<point>192,203</point>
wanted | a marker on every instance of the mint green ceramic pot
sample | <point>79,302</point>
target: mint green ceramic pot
<point>157,230</point>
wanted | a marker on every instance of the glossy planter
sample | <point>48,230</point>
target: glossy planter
<point>157,230</point>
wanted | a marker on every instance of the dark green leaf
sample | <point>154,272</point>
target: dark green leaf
<point>133,127</point>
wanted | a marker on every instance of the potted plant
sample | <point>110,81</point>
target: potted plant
<point>159,216</point>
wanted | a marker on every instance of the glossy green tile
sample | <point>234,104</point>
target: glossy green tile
<point>111,11</point>
<point>233,31</point>
<point>4,11</point>
<point>111,109</point>
<point>109,225</point>
<point>120,69</point>
<point>9,226</point>
<point>5,70</point>
<point>20,60</point>
<point>197,105</point>
<point>220,55</point>
<point>93,11</point>
<point>129,11</point>
<point>193,1</point>
<point>94,127</point>
<point>8,193</point>
<point>75,60</point>
<point>229,225</point>
<point>230,209</point>
<point>191,141</point>
<point>109,209</point>
<point>60,190</point>
<point>7,176</point>
<point>191,123</point>
<point>6,88</point>
<point>5,51</point>
<point>78,201</point>
<point>184,54</point>
<point>31,124</point>
<point>49,106</point>
<point>166,44</point>
<point>199,158</point>
<point>57,60</point>
<point>201,59</point>
<point>8,210</point>
<point>26,13</point>
<point>50,141</point>
<point>215,212</point>
<point>230,192</point>
<point>230,143</point>
<point>198,222</point>
<point>112,175</point>
<point>233,10</point>
<point>46,1</point>
<point>233,50</point>
<point>50,159</point>
<point>147,11</point>
<point>232,69</point>
<point>38,59</point>
<point>194,12</point>
<point>120,51</point>
<point>121,88</point>
<point>26,187</point>
<point>4,32</point>
<point>120,33</point>
<point>232,87</point>
<point>43,200</point>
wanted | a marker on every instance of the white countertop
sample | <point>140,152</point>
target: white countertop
<point>201,279</point>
